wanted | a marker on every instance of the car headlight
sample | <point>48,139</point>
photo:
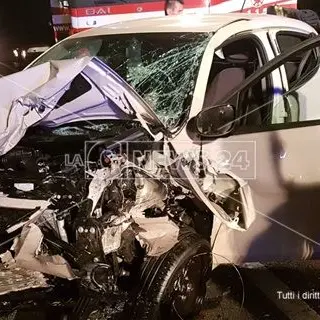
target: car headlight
<point>20,53</point>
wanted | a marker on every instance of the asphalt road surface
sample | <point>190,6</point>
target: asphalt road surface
<point>288,291</point>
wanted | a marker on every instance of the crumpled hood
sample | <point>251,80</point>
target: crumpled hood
<point>22,94</point>
<point>60,92</point>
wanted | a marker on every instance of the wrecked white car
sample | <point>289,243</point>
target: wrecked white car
<point>134,158</point>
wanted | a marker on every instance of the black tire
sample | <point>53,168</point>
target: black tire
<point>173,286</point>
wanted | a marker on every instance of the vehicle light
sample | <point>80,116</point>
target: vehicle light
<point>23,54</point>
<point>16,53</point>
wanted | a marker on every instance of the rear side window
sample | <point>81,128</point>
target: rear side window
<point>300,67</point>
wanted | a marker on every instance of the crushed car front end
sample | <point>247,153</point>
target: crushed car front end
<point>86,195</point>
<point>92,191</point>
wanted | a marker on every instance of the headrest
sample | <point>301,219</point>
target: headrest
<point>237,58</point>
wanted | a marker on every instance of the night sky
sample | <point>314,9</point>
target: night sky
<point>25,22</point>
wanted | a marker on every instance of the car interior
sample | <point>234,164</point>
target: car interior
<point>301,64</point>
<point>241,58</point>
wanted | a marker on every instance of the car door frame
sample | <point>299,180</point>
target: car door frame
<point>251,80</point>
<point>223,36</point>
<point>271,66</point>
<point>218,41</point>
<point>272,34</point>
<point>237,247</point>
<point>229,32</point>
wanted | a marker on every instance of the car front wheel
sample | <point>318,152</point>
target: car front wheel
<point>173,286</point>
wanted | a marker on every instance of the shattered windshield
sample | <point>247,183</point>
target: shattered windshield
<point>161,67</point>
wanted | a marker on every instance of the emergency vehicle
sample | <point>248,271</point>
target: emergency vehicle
<point>86,14</point>
<point>61,19</point>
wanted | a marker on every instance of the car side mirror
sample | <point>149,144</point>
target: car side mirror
<point>216,121</point>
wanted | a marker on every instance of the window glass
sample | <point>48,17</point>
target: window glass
<point>287,40</point>
<point>277,105</point>
<point>239,60</point>
<point>161,67</point>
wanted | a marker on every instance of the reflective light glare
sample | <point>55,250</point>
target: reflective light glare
<point>190,19</point>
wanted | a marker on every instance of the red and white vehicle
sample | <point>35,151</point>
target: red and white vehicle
<point>61,19</point>
<point>86,14</point>
<point>248,6</point>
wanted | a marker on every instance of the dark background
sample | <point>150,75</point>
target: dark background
<point>309,4</point>
<point>23,24</point>
<point>25,21</point>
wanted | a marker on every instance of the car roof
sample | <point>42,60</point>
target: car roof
<point>195,23</point>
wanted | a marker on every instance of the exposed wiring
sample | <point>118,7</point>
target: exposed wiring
<point>176,311</point>
<point>241,279</point>
<point>215,237</point>
<point>233,265</point>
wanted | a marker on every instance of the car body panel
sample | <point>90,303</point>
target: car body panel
<point>26,89</point>
<point>286,217</point>
<point>109,97</point>
<point>106,97</point>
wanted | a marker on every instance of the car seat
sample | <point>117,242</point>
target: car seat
<point>231,74</point>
